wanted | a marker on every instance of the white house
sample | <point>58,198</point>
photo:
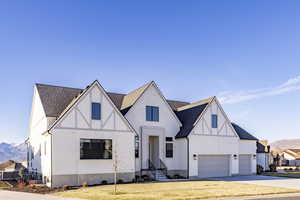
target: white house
<point>80,135</point>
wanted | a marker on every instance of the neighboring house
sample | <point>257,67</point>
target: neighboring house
<point>80,135</point>
<point>263,156</point>
<point>292,157</point>
<point>11,170</point>
<point>278,157</point>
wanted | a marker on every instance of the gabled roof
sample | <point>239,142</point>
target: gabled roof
<point>189,114</point>
<point>242,133</point>
<point>11,164</point>
<point>132,97</point>
<point>262,147</point>
<point>293,152</point>
<point>55,98</point>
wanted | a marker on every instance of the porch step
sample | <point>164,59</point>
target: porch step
<point>159,175</point>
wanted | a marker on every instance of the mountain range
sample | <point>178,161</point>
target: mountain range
<point>17,152</point>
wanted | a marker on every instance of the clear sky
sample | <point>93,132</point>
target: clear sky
<point>245,52</point>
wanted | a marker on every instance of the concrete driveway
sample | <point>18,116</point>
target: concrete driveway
<point>9,195</point>
<point>290,183</point>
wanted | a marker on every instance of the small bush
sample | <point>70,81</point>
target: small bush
<point>259,169</point>
<point>273,168</point>
<point>120,181</point>
<point>84,184</point>
<point>297,168</point>
<point>146,177</point>
<point>65,187</point>
<point>104,182</point>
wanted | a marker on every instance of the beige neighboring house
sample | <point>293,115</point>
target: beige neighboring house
<point>11,170</point>
<point>292,157</point>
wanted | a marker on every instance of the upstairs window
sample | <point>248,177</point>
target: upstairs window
<point>95,149</point>
<point>214,121</point>
<point>96,111</point>
<point>152,113</point>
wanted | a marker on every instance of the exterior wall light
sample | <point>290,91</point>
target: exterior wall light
<point>254,156</point>
<point>235,156</point>
<point>195,157</point>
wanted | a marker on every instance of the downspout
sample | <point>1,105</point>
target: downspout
<point>188,157</point>
<point>141,152</point>
<point>51,173</point>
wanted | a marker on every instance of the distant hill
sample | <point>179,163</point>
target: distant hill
<point>286,144</point>
<point>13,152</point>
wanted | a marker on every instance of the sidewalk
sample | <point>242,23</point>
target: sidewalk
<point>289,196</point>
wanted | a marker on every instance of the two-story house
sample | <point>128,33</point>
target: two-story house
<point>88,135</point>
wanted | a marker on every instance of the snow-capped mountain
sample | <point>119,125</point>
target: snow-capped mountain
<point>17,152</point>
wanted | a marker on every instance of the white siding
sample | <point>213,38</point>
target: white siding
<point>249,147</point>
<point>168,124</point>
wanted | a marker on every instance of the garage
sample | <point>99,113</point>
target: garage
<point>245,164</point>
<point>213,166</point>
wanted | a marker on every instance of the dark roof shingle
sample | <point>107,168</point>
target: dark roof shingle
<point>242,133</point>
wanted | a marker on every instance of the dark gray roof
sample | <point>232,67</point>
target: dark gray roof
<point>261,148</point>
<point>242,133</point>
<point>188,117</point>
<point>55,98</point>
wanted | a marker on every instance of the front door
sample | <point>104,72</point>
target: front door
<point>154,150</point>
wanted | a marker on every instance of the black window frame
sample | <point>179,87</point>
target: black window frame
<point>104,152</point>
<point>95,116</point>
<point>137,147</point>
<point>150,113</point>
<point>169,152</point>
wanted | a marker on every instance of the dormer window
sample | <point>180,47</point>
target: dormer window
<point>152,113</point>
<point>96,111</point>
<point>214,121</point>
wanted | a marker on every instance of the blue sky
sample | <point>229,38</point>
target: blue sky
<point>245,52</point>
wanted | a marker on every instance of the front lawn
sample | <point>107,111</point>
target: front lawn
<point>285,174</point>
<point>173,191</point>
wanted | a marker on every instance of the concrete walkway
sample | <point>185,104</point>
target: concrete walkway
<point>290,196</point>
<point>283,182</point>
<point>10,195</point>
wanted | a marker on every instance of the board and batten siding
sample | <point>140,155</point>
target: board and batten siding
<point>77,124</point>
<point>167,126</point>
<point>205,140</point>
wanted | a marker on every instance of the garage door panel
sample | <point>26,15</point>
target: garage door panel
<point>213,166</point>
<point>245,164</point>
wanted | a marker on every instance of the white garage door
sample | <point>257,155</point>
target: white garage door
<point>213,166</point>
<point>245,164</point>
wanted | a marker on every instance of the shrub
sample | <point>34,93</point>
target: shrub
<point>259,169</point>
<point>65,187</point>
<point>84,184</point>
<point>273,168</point>
<point>120,181</point>
<point>104,182</point>
<point>297,168</point>
<point>146,177</point>
<point>291,169</point>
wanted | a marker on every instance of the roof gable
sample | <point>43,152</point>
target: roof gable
<point>242,133</point>
<point>103,97</point>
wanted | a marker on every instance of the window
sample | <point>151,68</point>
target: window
<point>169,150</point>
<point>152,113</point>
<point>45,148</point>
<point>214,121</point>
<point>95,149</point>
<point>169,147</point>
<point>96,111</point>
<point>137,146</point>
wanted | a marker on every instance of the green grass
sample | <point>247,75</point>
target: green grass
<point>173,191</point>
<point>285,174</point>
